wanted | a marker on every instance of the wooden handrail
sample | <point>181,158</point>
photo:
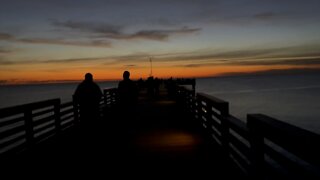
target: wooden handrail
<point>26,118</point>
<point>296,140</point>
<point>246,144</point>
<point>292,147</point>
<point>34,119</point>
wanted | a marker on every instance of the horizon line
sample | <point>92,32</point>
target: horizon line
<point>229,74</point>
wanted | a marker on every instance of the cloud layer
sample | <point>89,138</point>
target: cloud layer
<point>293,55</point>
<point>57,41</point>
<point>100,34</point>
<point>116,32</point>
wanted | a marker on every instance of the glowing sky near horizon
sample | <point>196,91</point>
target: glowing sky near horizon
<point>44,40</point>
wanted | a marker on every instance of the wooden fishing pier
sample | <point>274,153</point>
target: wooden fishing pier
<point>176,132</point>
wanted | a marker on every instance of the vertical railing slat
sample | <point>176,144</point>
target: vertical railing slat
<point>57,117</point>
<point>29,127</point>
<point>256,146</point>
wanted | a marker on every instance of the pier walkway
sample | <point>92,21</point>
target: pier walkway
<point>155,138</point>
<point>178,133</point>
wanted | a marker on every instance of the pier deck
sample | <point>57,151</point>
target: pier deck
<point>156,137</point>
<point>177,133</point>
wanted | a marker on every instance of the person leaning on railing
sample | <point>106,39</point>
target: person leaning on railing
<point>88,95</point>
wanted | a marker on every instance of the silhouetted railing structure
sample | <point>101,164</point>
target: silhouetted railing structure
<point>262,147</point>
<point>110,96</point>
<point>24,126</point>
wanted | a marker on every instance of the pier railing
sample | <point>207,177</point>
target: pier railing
<point>110,96</point>
<point>24,126</point>
<point>263,147</point>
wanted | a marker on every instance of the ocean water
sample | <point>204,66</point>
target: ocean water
<point>293,98</point>
<point>12,95</point>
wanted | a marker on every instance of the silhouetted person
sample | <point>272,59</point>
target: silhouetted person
<point>128,91</point>
<point>170,87</point>
<point>157,83</point>
<point>140,83</point>
<point>88,95</point>
<point>150,86</point>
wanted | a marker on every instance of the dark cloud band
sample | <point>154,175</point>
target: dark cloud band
<point>116,32</point>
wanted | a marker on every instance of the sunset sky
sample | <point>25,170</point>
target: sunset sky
<point>47,40</point>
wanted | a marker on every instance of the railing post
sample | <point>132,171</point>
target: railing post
<point>29,127</point>
<point>189,102</point>
<point>57,120</point>
<point>193,87</point>
<point>75,110</point>
<point>198,107</point>
<point>256,147</point>
<point>116,97</point>
<point>184,98</point>
<point>111,98</point>
<point>225,127</point>
<point>194,108</point>
<point>105,97</point>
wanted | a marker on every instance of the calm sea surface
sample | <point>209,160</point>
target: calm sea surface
<point>20,94</point>
<point>291,98</point>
